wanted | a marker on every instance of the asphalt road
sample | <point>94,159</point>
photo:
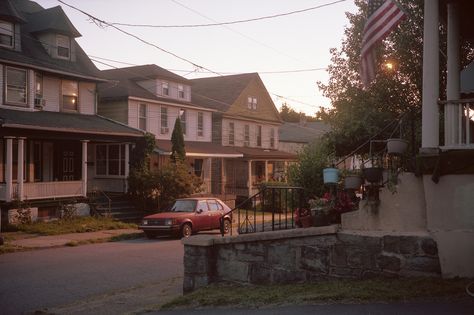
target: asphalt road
<point>102,278</point>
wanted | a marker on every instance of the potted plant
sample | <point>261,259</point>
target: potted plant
<point>352,179</point>
<point>303,218</point>
<point>396,146</point>
<point>320,208</point>
<point>331,175</point>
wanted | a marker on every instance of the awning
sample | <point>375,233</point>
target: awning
<point>199,149</point>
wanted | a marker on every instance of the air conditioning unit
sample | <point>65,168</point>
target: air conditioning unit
<point>164,130</point>
<point>39,103</point>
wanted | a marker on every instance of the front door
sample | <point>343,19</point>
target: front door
<point>69,162</point>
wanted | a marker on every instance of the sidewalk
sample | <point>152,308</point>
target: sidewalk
<point>36,242</point>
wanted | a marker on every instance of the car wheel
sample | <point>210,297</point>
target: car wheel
<point>150,235</point>
<point>186,230</point>
<point>227,226</point>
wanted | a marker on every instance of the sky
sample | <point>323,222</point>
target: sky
<point>294,42</point>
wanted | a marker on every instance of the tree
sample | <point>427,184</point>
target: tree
<point>178,151</point>
<point>288,114</point>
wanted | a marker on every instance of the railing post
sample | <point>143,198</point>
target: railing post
<point>84,167</point>
<point>9,169</point>
<point>20,166</point>
<point>273,209</point>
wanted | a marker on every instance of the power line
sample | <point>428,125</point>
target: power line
<point>101,22</point>
<point>231,22</point>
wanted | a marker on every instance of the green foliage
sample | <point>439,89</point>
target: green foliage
<point>308,172</point>
<point>140,154</point>
<point>178,152</point>
<point>288,114</point>
<point>158,190</point>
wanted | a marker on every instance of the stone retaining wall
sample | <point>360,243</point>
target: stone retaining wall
<point>305,255</point>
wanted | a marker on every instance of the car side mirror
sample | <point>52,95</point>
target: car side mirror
<point>199,211</point>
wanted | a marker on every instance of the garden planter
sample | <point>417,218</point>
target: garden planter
<point>396,146</point>
<point>306,221</point>
<point>320,219</point>
<point>331,175</point>
<point>373,174</point>
<point>352,182</point>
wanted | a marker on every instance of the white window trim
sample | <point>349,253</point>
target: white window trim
<point>141,117</point>
<point>258,134</point>
<point>233,133</point>
<point>107,161</point>
<point>5,88</point>
<point>58,36</point>
<point>77,110</point>
<point>181,89</point>
<point>6,32</point>
<point>246,134</point>
<point>166,120</point>
<point>200,131</point>
<point>163,88</point>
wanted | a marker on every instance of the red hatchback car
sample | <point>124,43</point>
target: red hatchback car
<point>188,216</point>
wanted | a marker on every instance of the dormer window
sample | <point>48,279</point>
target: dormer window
<point>63,44</point>
<point>6,34</point>
<point>252,103</point>
<point>180,91</point>
<point>165,90</point>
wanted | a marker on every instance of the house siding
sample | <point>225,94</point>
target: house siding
<point>51,93</point>
<point>155,87</point>
<point>117,110</point>
<point>239,133</point>
<point>87,92</point>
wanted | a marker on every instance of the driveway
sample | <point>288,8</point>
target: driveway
<point>102,278</point>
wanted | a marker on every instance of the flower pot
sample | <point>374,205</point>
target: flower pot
<point>352,182</point>
<point>396,146</point>
<point>320,219</point>
<point>306,221</point>
<point>331,175</point>
<point>373,174</point>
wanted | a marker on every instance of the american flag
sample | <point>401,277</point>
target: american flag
<point>383,17</point>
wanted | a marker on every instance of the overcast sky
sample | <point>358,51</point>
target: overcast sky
<point>293,42</point>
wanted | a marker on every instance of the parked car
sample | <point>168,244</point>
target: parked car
<point>188,216</point>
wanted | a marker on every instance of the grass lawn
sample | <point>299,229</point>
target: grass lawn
<point>76,225</point>
<point>330,291</point>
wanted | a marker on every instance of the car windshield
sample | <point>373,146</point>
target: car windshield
<point>184,206</point>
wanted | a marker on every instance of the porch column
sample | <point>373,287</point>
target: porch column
<point>266,171</point>
<point>250,177</point>
<point>9,169</point>
<point>20,167</point>
<point>223,176</point>
<point>127,165</point>
<point>452,113</point>
<point>84,167</point>
<point>430,115</point>
<point>209,178</point>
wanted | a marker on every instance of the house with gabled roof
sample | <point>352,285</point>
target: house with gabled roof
<point>53,145</point>
<point>151,98</point>
<point>244,118</point>
<point>293,137</point>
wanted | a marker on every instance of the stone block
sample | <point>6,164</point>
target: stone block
<point>188,283</point>
<point>240,246</point>
<point>314,259</point>
<point>196,264</point>
<point>429,246</point>
<point>226,253</point>
<point>360,240</point>
<point>249,257</point>
<point>360,257</point>
<point>233,271</point>
<point>345,272</point>
<point>391,244</point>
<point>409,245</point>
<point>195,250</point>
<point>338,256</point>
<point>423,264</point>
<point>288,276</point>
<point>260,274</point>
<point>256,247</point>
<point>282,255</point>
<point>389,262</point>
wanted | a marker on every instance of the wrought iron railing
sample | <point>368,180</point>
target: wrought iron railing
<point>272,208</point>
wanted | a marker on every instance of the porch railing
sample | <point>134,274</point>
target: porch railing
<point>272,208</point>
<point>458,122</point>
<point>44,190</point>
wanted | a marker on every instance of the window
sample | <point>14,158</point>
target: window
<point>182,118</point>
<point>70,91</point>
<point>38,85</point>
<point>165,90</point>
<point>252,102</point>
<point>259,136</point>
<point>213,205</point>
<point>164,120</point>
<point>272,138</point>
<point>16,86</point>
<point>110,159</point>
<point>200,124</point>
<point>231,133</point>
<point>6,34</point>
<point>180,91</point>
<point>247,135</point>
<point>142,117</point>
<point>63,44</point>
<point>198,167</point>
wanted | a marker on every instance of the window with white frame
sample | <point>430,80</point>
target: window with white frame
<point>164,120</point>
<point>110,159</point>
<point>63,44</point>
<point>38,85</point>
<point>272,138</point>
<point>70,92</point>
<point>165,89</point>
<point>6,34</point>
<point>252,102</point>
<point>231,133</point>
<point>246,135</point>
<point>182,118</point>
<point>180,91</point>
<point>16,86</point>
<point>200,124</point>
<point>259,136</point>
<point>142,117</point>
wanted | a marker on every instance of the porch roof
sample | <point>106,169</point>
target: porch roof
<point>198,148</point>
<point>64,122</point>
<point>264,154</point>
